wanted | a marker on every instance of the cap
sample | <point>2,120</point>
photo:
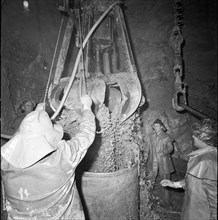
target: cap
<point>158,121</point>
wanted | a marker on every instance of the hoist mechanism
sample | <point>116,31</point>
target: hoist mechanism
<point>105,67</point>
<point>179,100</point>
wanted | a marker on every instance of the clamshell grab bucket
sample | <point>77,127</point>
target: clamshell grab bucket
<point>128,86</point>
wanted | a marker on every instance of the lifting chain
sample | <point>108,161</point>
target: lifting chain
<point>176,41</point>
<point>177,8</point>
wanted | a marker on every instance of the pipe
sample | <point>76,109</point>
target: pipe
<point>78,58</point>
<point>63,51</point>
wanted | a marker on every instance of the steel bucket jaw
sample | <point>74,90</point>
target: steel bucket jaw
<point>95,88</point>
<point>131,94</point>
<point>123,89</point>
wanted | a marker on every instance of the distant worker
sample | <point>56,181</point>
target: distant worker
<point>161,148</point>
<point>200,183</point>
<point>38,167</point>
<point>24,109</point>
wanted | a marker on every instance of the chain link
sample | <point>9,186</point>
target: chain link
<point>176,41</point>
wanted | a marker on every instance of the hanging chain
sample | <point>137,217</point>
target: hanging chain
<point>176,41</point>
<point>178,9</point>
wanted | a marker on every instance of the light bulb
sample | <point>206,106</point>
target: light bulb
<point>26,4</point>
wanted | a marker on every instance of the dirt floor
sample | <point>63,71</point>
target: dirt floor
<point>176,198</point>
<point>153,209</point>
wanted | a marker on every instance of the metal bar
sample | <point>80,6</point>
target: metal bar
<point>63,51</point>
<point>114,61</point>
<point>98,60</point>
<point>106,63</point>
<point>87,49</point>
<point>124,40</point>
<point>194,112</point>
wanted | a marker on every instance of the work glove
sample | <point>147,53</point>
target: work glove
<point>40,106</point>
<point>165,183</point>
<point>86,101</point>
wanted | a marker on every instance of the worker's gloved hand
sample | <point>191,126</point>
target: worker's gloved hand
<point>86,101</point>
<point>169,183</point>
<point>40,106</point>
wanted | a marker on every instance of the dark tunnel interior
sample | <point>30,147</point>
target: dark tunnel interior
<point>29,56</point>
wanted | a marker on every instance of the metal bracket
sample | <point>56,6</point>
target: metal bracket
<point>63,6</point>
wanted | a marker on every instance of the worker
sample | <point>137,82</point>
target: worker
<point>161,147</point>
<point>200,183</point>
<point>38,167</point>
<point>25,107</point>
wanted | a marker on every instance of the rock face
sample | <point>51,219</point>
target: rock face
<point>28,42</point>
<point>154,59</point>
<point>154,56</point>
<point>178,126</point>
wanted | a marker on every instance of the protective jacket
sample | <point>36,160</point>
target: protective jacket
<point>15,125</point>
<point>161,147</point>
<point>200,201</point>
<point>46,190</point>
